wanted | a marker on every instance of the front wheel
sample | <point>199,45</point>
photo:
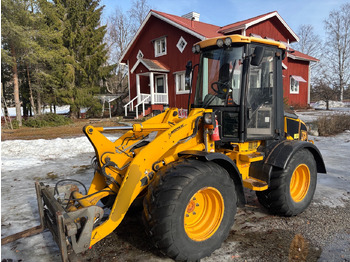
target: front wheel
<point>189,209</point>
<point>291,190</point>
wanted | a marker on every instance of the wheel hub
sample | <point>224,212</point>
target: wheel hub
<point>300,182</point>
<point>203,214</point>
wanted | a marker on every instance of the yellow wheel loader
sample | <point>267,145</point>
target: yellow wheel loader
<point>190,172</point>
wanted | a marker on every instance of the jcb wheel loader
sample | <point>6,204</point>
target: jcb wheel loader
<point>190,172</point>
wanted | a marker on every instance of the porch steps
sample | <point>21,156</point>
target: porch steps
<point>132,114</point>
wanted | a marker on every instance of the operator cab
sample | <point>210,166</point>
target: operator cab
<point>241,80</point>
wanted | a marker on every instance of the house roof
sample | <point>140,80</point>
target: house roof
<point>203,31</point>
<point>245,24</point>
<point>151,65</point>
<point>198,29</point>
<point>296,55</point>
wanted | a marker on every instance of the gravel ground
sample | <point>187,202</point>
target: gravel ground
<point>321,233</point>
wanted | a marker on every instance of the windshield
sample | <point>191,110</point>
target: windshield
<point>219,80</point>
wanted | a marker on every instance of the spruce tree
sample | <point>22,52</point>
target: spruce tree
<point>85,64</point>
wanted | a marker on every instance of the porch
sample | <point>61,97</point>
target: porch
<point>151,90</point>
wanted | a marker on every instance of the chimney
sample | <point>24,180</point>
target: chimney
<point>192,16</point>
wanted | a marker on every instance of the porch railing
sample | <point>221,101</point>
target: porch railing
<point>161,98</point>
<point>131,105</point>
<point>143,106</point>
<point>145,98</point>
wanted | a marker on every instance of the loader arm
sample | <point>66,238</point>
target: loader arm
<point>174,135</point>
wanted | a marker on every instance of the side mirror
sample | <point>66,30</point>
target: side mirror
<point>257,55</point>
<point>188,73</point>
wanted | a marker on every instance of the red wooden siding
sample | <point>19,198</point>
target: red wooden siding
<point>270,28</point>
<point>298,68</point>
<point>174,59</point>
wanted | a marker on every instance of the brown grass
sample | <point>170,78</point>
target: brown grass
<point>333,124</point>
<point>71,130</point>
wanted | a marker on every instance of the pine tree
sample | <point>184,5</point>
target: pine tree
<point>14,19</point>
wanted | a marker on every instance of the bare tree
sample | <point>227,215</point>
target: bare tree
<point>322,91</point>
<point>121,29</point>
<point>310,42</point>
<point>337,47</point>
<point>138,13</point>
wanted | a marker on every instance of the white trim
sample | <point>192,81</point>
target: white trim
<point>129,80</point>
<point>296,91</point>
<point>151,87</point>
<point>309,86</point>
<point>178,45</point>
<point>156,43</point>
<point>150,69</point>
<point>135,66</point>
<point>176,77</point>
<point>138,88</point>
<point>284,66</point>
<point>156,84</point>
<point>139,55</point>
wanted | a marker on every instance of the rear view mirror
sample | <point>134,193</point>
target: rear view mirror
<point>188,74</point>
<point>257,55</point>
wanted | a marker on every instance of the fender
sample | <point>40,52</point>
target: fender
<point>226,163</point>
<point>282,153</point>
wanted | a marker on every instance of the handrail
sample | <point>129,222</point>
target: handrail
<point>132,106</point>
<point>143,106</point>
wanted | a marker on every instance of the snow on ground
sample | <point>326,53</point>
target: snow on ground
<point>59,110</point>
<point>48,161</point>
<point>22,163</point>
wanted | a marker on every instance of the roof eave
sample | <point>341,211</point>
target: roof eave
<point>294,57</point>
<point>261,19</point>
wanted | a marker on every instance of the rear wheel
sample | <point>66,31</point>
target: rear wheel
<point>189,209</point>
<point>291,190</point>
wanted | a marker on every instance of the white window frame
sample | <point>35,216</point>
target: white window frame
<point>179,46</point>
<point>158,43</point>
<point>180,83</point>
<point>293,85</point>
<point>139,55</point>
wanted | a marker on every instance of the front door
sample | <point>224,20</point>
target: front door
<point>160,86</point>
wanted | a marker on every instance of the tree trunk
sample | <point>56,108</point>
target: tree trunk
<point>16,88</point>
<point>31,98</point>
<point>38,101</point>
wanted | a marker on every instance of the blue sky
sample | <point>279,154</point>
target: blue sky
<point>295,13</point>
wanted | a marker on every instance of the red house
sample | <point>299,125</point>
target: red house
<point>157,55</point>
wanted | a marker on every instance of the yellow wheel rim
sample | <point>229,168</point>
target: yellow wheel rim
<point>203,214</point>
<point>300,182</point>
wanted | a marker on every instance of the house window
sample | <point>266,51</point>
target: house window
<point>294,84</point>
<point>139,55</point>
<point>180,83</point>
<point>181,44</point>
<point>160,47</point>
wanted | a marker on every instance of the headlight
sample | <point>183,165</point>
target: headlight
<point>209,118</point>
<point>228,41</point>
<point>220,42</point>
<point>193,49</point>
<point>196,49</point>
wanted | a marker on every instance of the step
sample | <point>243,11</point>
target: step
<point>252,157</point>
<point>255,184</point>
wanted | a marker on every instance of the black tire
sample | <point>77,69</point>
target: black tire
<point>170,203</point>
<point>286,198</point>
